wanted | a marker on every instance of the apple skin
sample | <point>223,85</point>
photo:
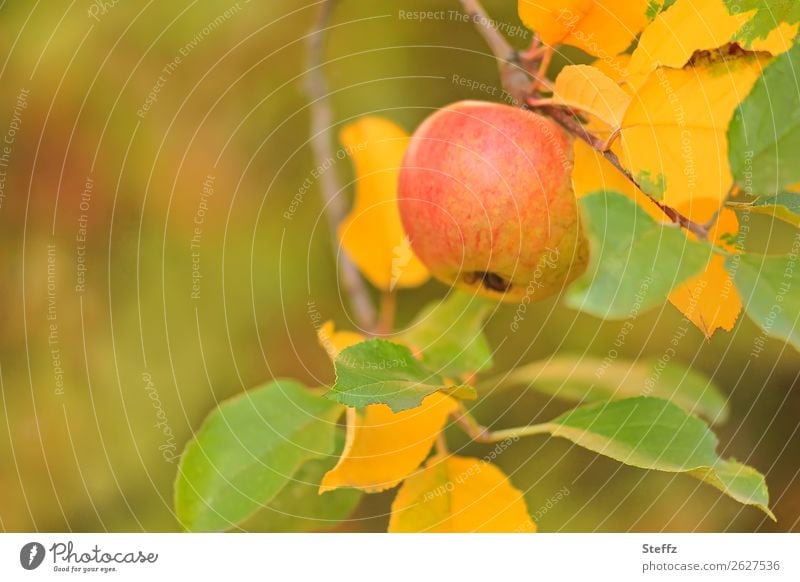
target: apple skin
<point>485,196</point>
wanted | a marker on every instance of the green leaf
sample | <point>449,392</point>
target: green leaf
<point>655,7</point>
<point>785,206</point>
<point>586,379</point>
<point>770,290</point>
<point>653,186</point>
<point>247,450</point>
<point>381,372</point>
<point>450,335</point>
<point>635,261</point>
<point>300,508</point>
<point>652,433</point>
<point>764,134</point>
<point>769,14</point>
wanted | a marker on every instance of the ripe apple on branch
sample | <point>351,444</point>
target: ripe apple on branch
<point>486,198</point>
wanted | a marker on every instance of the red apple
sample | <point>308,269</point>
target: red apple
<point>486,198</point>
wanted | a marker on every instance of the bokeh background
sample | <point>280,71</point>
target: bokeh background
<point>116,142</point>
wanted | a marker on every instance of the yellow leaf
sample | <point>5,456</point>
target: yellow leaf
<point>725,229</point>
<point>778,41</point>
<point>674,134</point>
<point>459,494</point>
<point>599,27</point>
<point>614,67</point>
<point>592,172</point>
<point>589,89</point>
<point>335,341</point>
<point>372,234</point>
<point>383,447</point>
<point>710,300</point>
<point>688,26</point>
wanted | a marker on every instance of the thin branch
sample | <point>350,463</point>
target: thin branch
<point>713,220</point>
<point>568,122</point>
<point>536,61</point>
<point>321,144</point>
<point>515,78</point>
<point>470,426</point>
<point>500,47</point>
<point>524,91</point>
<point>540,77</point>
<point>699,230</point>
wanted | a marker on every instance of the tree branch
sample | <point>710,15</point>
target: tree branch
<point>523,85</point>
<point>568,122</point>
<point>713,220</point>
<point>501,48</point>
<point>515,78</point>
<point>321,144</point>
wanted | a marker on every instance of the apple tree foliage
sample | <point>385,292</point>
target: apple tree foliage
<point>703,117</point>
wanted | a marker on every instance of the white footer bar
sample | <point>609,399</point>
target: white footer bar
<point>402,558</point>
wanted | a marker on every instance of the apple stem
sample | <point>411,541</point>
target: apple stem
<point>523,74</point>
<point>321,144</point>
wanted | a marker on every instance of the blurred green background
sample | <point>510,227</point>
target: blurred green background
<point>231,114</point>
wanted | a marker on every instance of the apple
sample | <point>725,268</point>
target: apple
<point>485,196</point>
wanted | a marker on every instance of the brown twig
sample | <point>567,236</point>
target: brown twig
<point>501,48</point>
<point>516,80</point>
<point>470,426</point>
<point>568,122</point>
<point>536,61</point>
<point>321,144</point>
<point>713,220</point>
<point>540,77</point>
<point>522,85</point>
